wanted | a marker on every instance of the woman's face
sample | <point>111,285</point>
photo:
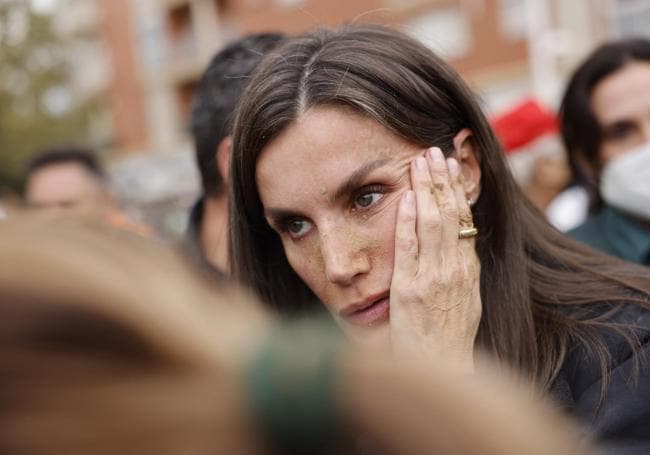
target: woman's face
<point>621,104</point>
<point>330,185</point>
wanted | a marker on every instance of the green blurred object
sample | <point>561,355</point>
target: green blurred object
<point>34,71</point>
<point>292,385</point>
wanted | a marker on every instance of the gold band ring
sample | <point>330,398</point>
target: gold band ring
<point>467,233</point>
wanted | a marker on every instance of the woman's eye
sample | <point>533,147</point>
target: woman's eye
<point>367,199</point>
<point>297,228</point>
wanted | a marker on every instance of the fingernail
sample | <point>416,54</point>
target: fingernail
<point>420,163</point>
<point>436,154</point>
<point>452,164</point>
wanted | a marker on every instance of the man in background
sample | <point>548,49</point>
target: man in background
<point>68,182</point>
<point>215,101</point>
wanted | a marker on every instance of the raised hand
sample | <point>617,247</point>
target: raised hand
<point>435,302</point>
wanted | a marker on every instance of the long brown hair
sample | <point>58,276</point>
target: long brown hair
<point>113,345</point>
<point>534,280</point>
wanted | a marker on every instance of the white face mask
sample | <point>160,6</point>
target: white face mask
<point>625,182</point>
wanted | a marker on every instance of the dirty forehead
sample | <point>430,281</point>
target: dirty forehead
<point>327,150</point>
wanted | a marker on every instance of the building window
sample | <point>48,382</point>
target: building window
<point>512,19</point>
<point>179,28</point>
<point>445,30</point>
<point>184,96</point>
<point>631,18</point>
<point>222,6</point>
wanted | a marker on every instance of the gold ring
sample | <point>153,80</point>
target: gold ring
<point>467,233</point>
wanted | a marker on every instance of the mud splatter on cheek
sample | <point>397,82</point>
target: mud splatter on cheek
<point>362,239</point>
<point>305,259</point>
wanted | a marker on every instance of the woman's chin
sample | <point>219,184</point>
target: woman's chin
<point>374,337</point>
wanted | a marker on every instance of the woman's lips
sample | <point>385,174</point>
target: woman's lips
<point>371,315</point>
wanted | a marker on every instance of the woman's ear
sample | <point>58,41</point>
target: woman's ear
<point>223,158</point>
<point>468,158</point>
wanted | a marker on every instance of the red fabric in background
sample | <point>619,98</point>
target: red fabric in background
<point>523,124</point>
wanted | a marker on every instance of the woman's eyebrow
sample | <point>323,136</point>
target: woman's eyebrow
<point>277,215</point>
<point>355,179</point>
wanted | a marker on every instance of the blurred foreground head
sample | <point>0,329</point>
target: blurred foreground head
<point>67,182</point>
<point>110,344</point>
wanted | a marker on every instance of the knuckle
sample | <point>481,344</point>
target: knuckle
<point>433,223</point>
<point>439,169</point>
<point>405,217</point>
<point>423,180</point>
<point>440,182</point>
<point>465,217</point>
<point>406,243</point>
<point>449,211</point>
<point>439,281</point>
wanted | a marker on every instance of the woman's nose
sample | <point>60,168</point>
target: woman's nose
<point>345,257</point>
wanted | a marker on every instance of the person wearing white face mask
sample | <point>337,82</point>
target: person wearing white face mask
<point>625,182</point>
<point>605,125</point>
